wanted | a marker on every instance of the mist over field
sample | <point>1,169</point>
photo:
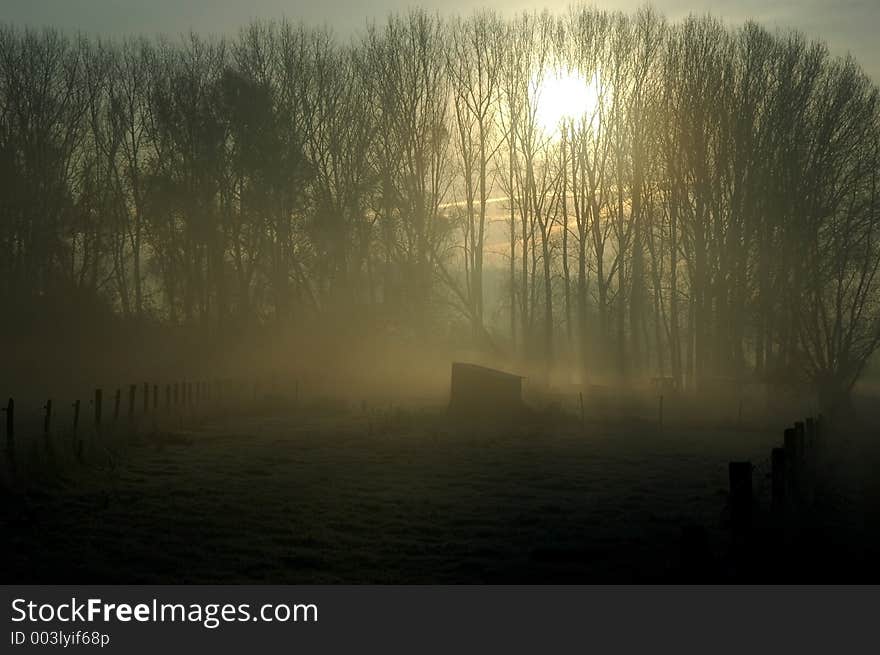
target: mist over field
<point>579,265</point>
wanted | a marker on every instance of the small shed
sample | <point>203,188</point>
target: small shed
<point>478,391</point>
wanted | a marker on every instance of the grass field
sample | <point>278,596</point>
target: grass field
<point>341,496</point>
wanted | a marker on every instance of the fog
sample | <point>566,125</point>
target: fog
<point>705,209</point>
<point>656,237</point>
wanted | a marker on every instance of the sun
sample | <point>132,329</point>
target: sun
<point>564,94</point>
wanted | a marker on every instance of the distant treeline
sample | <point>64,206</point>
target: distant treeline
<point>713,213</point>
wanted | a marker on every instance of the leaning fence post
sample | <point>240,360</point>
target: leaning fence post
<point>98,397</point>
<point>740,495</point>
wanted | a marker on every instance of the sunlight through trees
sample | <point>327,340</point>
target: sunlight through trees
<point>615,195</point>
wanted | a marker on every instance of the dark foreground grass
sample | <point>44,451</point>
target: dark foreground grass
<point>335,497</point>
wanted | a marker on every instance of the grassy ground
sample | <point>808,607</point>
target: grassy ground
<point>378,497</point>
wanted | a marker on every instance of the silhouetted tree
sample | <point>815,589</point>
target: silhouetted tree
<point>712,214</point>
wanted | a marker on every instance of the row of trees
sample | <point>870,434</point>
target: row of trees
<point>710,213</point>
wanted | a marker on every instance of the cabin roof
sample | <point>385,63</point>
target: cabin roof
<point>483,370</point>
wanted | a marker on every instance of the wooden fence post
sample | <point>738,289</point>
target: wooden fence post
<point>98,398</point>
<point>116,404</point>
<point>167,397</point>
<point>740,495</point>
<point>800,433</point>
<point>800,464</point>
<point>777,466</point>
<point>581,404</point>
<point>146,397</point>
<point>810,464</point>
<point>155,398</point>
<point>176,393</point>
<point>790,440</point>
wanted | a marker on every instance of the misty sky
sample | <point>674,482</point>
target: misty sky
<point>848,25</point>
